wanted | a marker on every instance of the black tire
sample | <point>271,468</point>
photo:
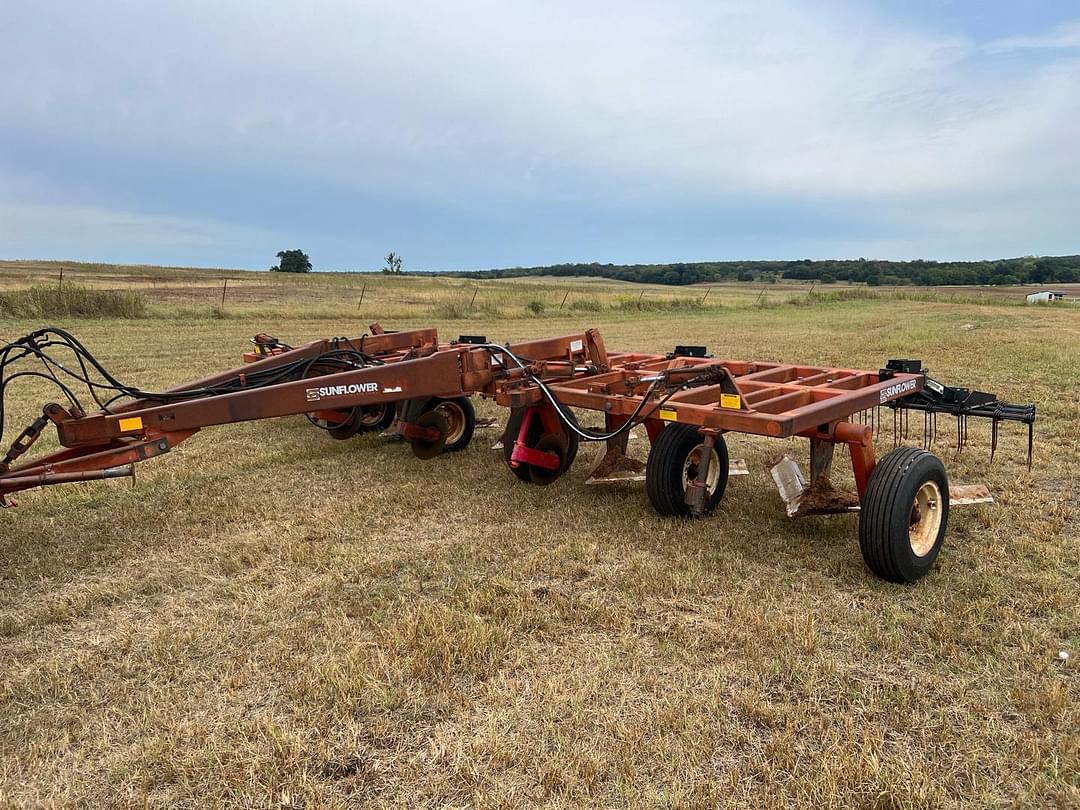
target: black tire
<point>346,429</point>
<point>510,434</point>
<point>536,428</point>
<point>572,442</point>
<point>549,443</point>
<point>461,415</point>
<point>671,463</point>
<point>375,417</point>
<point>904,515</point>
<point>429,448</point>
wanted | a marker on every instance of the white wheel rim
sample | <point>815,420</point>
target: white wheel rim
<point>925,520</point>
<point>455,415</point>
<point>693,459</point>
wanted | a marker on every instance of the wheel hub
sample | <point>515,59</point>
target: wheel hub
<point>693,461</point>
<point>925,519</point>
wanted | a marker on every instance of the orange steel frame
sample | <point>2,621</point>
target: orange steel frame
<point>761,398</point>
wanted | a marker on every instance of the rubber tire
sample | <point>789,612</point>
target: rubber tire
<point>423,448</point>
<point>470,421</point>
<point>886,512</point>
<point>344,430</point>
<point>383,422</point>
<point>664,470</point>
<point>510,434</point>
<point>549,443</point>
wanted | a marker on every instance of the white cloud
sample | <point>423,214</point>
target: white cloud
<point>491,107</point>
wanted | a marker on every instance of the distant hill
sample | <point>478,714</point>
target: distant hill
<point>1026,270</point>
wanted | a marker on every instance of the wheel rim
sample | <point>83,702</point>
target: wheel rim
<point>372,415</point>
<point>455,416</point>
<point>429,448</point>
<point>690,468</point>
<point>925,519</point>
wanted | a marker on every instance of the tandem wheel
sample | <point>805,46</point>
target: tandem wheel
<point>461,417</point>
<point>673,465</point>
<point>340,424</point>
<point>455,421</point>
<point>904,514</point>
<point>563,443</point>
<point>375,417</point>
<point>347,422</point>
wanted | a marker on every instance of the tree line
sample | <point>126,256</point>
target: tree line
<point>1025,270</point>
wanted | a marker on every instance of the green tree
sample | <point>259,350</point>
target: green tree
<point>393,263</point>
<point>292,261</point>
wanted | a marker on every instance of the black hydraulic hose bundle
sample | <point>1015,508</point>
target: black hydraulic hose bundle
<point>635,418</point>
<point>107,389</point>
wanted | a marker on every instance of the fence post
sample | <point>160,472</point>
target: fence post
<point>564,299</point>
<point>474,292</point>
<point>706,295</point>
<point>224,289</point>
<point>362,291</point>
<point>61,281</point>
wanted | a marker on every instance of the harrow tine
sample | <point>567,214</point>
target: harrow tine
<point>993,436</point>
<point>1031,442</point>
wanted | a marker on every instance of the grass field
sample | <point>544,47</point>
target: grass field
<point>271,618</point>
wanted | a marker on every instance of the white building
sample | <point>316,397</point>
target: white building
<point>1045,295</point>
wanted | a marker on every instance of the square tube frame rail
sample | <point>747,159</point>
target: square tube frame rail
<point>761,398</point>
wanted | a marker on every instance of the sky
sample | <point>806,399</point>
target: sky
<point>478,134</point>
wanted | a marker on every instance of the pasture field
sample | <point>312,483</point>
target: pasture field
<point>271,618</point>
<point>188,293</point>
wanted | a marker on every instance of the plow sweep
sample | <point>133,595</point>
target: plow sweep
<point>412,386</point>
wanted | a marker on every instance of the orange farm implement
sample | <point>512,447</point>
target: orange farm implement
<point>415,387</point>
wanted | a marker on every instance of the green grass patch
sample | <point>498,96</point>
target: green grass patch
<point>71,302</point>
<point>639,303</point>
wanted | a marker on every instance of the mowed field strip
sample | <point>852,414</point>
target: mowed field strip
<point>273,618</point>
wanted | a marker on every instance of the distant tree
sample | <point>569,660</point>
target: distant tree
<point>1026,270</point>
<point>746,275</point>
<point>292,261</point>
<point>393,263</point>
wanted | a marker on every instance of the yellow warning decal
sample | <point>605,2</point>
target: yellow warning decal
<point>134,423</point>
<point>668,415</point>
<point>730,401</point>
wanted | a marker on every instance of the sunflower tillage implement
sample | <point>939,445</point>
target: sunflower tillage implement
<point>418,388</point>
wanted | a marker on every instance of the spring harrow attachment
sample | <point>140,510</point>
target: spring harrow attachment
<point>936,398</point>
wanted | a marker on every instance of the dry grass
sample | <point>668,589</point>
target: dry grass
<point>197,294</point>
<point>274,619</point>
